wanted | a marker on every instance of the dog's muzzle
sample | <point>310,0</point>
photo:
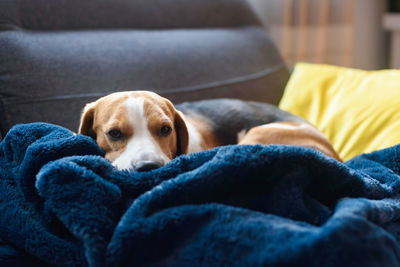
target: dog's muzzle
<point>146,165</point>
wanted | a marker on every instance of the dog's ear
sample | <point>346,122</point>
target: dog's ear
<point>182,134</point>
<point>86,124</point>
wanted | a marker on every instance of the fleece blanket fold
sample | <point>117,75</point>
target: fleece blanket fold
<point>62,203</point>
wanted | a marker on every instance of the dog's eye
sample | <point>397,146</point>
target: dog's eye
<point>165,130</point>
<point>115,134</point>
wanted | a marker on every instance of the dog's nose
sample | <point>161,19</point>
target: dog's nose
<point>147,165</point>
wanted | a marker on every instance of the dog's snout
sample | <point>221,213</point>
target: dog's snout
<point>147,165</point>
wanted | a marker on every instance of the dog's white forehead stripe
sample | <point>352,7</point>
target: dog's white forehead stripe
<point>142,145</point>
<point>135,107</point>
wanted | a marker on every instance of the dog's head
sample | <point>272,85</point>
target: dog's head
<point>138,130</point>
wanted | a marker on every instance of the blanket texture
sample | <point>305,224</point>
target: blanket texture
<point>63,204</point>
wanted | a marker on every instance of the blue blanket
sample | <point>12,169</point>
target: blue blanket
<point>62,203</point>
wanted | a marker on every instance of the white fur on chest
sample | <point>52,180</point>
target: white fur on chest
<point>194,138</point>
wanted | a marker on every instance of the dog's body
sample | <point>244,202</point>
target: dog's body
<point>143,131</point>
<point>226,119</point>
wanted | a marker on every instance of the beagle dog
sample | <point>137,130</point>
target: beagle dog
<point>141,130</point>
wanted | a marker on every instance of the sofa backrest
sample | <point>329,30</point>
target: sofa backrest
<point>56,56</point>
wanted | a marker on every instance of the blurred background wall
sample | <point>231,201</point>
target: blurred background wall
<point>352,33</point>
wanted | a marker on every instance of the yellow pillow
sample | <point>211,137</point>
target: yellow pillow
<point>359,111</point>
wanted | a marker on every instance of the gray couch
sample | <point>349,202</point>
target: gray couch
<point>57,55</point>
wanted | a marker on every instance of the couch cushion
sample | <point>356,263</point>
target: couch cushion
<point>357,110</point>
<point>56,56</point>
<point>105,14</point>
